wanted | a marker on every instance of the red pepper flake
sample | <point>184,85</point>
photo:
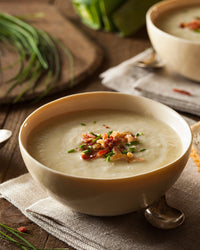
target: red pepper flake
<point>106,126</point>
<point>181,91</point>
<point>102,152</point>
<point>21,229</point>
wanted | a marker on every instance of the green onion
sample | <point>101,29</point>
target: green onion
<point>124,152</point>
<point>82,146</point>
<point>108,156</point>
<point>24,244</point>
<point>87,151</point>
<point>94,122</point>
<point>98,137</point>
<point>143,149</point>
<point>134,142</point>
<point>39,56</point>
<point>71,150</point>
<point>138,134</point>
<point>132,149</point>
<point>83,124</point>
<point>93,134</point>
<point>109,133</point>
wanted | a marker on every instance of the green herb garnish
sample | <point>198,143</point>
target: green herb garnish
<point>135,142</point>
<point>93,134</point>
<point>98,137</point>
<point>138,134</point>
<point>143,149</point>
<point>109,133</point>
<point>82,146</point>
<point>71,150</point>
<point>132,143</point>
<point>132,149</point>
<point>20,241</point>
<point>83,124</point>
<point>87,151</point>
<point>124,152</point>
<point>108,156</point>
<point>94,122</point>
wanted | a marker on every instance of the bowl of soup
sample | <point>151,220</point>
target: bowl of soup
<point>174,30</point>
<point>105,153</point>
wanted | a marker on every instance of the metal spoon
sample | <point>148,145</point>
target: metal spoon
<point>5,135</point>
<point>161,215</point>
<point>152,63</point>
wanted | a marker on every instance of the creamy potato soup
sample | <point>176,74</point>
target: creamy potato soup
<point>104,144</point>
<point>182,22</point>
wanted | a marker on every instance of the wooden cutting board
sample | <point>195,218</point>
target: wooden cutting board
<point>87,55</point>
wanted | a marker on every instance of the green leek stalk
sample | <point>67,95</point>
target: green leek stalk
<point>89,11</point>
<point>131,16</point>
<point>122,16</point>
<point>107,7</point>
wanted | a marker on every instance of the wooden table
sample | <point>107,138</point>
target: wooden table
<point>116,50</point>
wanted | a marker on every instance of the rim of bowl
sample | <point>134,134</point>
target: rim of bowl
<point>110,178</point>
<point>155,8</point>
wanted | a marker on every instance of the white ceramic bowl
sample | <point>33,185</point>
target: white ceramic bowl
<point>181,55</point>
<point>105,197</point>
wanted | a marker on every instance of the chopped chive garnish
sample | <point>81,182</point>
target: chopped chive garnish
<point>71,150</point>
<point>108,156</point>
<point>132,143</point>
<point>83,124</point>
<point>82,146</point>
<point>94,122</point>
<point>138,134</point>
<point>124,152</point>
<point>93,134</point>
<point>143,149</point>
<point>87,151</point>
<point>98,137</point>
<point>132,149</point>
<point>135,142</point>
<point>109,133</point>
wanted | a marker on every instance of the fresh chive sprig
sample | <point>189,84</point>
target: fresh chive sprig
<point>39,55</point>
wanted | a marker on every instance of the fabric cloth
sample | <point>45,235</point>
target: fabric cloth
<point>130,231</point>
<point>158,84</point>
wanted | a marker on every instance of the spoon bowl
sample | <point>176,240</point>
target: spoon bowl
<point>163,216</point>
<point>5,135</point>
<point>151,63</point>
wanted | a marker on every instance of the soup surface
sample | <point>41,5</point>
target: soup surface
<point>57,144</point>
<point>182,22</point>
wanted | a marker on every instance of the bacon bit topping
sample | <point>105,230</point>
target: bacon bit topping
<point>181,91</point>
<point>112,145</point>
<point>193,25</point>
<point>21,229</point>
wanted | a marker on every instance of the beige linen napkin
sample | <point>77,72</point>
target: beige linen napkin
<point>158,85</point>
<point>130,231</point>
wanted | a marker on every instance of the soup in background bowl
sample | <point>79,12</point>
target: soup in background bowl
<point>174,30</point>
<point>105,153</point>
